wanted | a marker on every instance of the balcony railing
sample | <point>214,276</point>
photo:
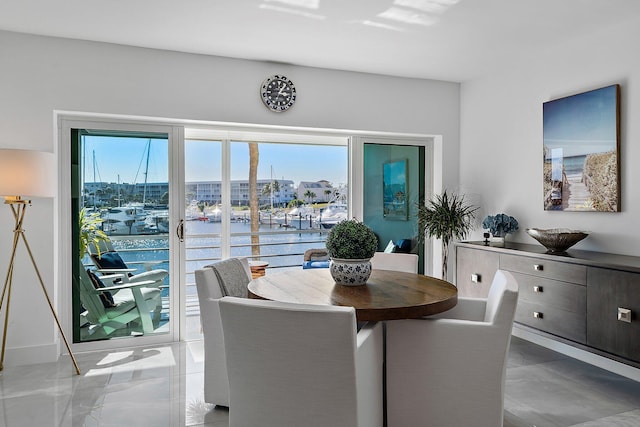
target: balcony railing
<point>281,248</point>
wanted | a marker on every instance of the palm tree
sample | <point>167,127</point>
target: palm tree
<point>269,188</point>
<point>266,189</point>
<point>310,195</point>
<point>254,201</point>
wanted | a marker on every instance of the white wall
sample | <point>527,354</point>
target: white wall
<point>40,75</point>
<point>501,135</point>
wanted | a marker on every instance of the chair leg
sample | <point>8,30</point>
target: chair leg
<point>143,311</point>
<point>157,314</point>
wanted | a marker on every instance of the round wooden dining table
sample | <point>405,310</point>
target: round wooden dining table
<point>388,295</point>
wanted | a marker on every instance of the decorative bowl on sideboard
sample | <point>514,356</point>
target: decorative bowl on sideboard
<point>557,240</point>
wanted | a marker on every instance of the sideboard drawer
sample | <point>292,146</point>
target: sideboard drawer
<point>566,324</point>
<point>475,269</point>
<point>573,273</point>
<point>552,293</point>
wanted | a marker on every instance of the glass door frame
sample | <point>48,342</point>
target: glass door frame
<point>432,178</point>
<point>62,235</point>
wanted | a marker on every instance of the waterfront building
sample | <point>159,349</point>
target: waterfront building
<point>114,193</point>
<point>316,191</point>
<point>210,192</point>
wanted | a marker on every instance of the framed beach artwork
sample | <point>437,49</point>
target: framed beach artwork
<point>394,177</point>
<point>582,152</point>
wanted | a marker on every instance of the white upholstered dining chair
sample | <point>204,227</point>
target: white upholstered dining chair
<point>210,282</point>
<point>301,365</point>
<point>395,261</point>
<point>449,369</point>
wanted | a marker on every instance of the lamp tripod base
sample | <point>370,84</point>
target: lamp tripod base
<point>18,208</point>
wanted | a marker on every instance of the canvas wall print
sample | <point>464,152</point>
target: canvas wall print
<point>394,176</point>
<point>581,151</point>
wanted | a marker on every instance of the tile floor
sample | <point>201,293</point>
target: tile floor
<point>162,386</point>
<point>545,388</point>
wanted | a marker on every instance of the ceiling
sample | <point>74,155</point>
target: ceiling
<point>454,40</point>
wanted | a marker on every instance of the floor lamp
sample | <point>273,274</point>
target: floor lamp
<point>25,173</point>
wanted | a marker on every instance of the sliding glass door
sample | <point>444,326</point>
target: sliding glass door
<point>120,220</point>
<point>146,205</point>
<point>394,184</point>
<point>202,220</point>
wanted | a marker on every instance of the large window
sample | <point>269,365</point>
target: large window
<point>295,186</point>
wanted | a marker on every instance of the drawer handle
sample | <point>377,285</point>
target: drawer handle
<point>476,278</point>
<point>624,315</point>
<point>538,267</point>
<point>537,315</point>
<point>538,289</point>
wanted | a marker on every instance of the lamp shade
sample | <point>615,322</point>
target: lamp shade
<point>27,173</point>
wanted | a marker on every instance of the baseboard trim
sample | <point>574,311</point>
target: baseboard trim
<point>19,356</point>
<point>579,354</point>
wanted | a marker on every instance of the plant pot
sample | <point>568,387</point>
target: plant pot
<point>350,272</point>
<point>498,241</point>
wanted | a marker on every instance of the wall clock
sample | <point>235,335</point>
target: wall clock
<point>278,93</point>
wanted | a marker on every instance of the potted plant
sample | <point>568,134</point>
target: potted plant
<point>90,225</point>
<point>445,217</point>
<point>350,245</point>
<point>499,226</point>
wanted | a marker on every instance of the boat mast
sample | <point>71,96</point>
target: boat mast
<point>146,173</point>
<point>94,178</point>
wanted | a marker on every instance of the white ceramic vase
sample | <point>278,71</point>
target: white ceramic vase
<point>350,272</point>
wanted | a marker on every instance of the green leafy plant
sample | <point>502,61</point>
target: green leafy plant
<point>90,231</point>
<point>445,217</point>
<point>351,239</point>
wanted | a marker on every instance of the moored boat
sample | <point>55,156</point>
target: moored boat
<point>124,220</point>
<point>301,218</point>
<point>332,214</point>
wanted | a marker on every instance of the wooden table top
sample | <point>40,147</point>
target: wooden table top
<point>388,295</point>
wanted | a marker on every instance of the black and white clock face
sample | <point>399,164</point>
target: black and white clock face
<point>278,93</point>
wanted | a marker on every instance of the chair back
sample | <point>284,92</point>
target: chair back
<point>502,299</point>
<point>104,255</point>
<point>233,276</point>
<point>290,364</point>
<point>316,254</point>
<point>207,285</point>
<point>407,263</point>
<point>102,246</point>
<point>210,287</point>
<point>90,299</point>
<point>210,290</point>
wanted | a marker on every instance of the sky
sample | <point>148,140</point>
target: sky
<point>119,159</point>
<point>583,123</point>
